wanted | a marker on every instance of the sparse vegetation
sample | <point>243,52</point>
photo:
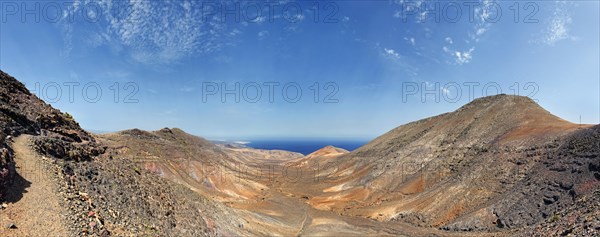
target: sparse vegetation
<point>555,217</point>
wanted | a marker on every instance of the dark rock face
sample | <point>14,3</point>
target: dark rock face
<point>7,166</point>
<point>21,112</point>
<point>125,200</point>
<point>555,183</point>
<point>67,150</point>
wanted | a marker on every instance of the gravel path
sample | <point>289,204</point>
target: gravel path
<point>33,207</point>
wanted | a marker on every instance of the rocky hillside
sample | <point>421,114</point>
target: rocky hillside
<point>96,194</point>
<point>246,181</point>
<point>497,164</point>
<point>194,161</point>
<point>23,113</point>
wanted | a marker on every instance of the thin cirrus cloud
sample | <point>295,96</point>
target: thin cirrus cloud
<point>449,40</point>
<point>411,40</point>
<point>152,31</point>
<point>460,57</point>
<point>558,25</point>
<point>263,34</point>
<point>483,11</point>
<point>391,53</point>
<point>397,61</point>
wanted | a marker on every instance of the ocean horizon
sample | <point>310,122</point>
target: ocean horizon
<point>304,147</point>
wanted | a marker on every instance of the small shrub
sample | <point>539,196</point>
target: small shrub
<point>554,218</point>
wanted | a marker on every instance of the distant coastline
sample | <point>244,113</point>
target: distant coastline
<point>304,146</point>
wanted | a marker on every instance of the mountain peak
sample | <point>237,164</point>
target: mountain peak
<point>328,151</point>
<point>492,119</point>
<point>502,99</point>
<point>509,111</point>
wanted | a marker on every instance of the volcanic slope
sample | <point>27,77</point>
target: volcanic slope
<point>500,163</point>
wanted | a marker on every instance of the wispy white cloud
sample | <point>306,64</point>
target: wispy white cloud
<point>263,34</point>
<point>409,7</point>
<point>436,86</point>
<point>478,26</point>
<point>396,61</point>
<point>445,91</point>
<point>483,13</point>
<point>557,28</point>
<point>460,57</point>
<point>391,53</point>
<point>260,19</point>
<point>422,17</point>
<point>410,40</point>
<point>155,31</point>
<point>479,32</point>
<point>96,39</point>
<point>235,32</point>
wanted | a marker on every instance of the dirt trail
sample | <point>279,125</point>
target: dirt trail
<point>33,204</point>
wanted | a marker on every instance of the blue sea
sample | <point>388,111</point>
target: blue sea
<point>304,146</point>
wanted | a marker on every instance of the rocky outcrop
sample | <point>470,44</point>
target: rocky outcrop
<point>62,149</point>
<point>21,112</point>
<point>7,166</point>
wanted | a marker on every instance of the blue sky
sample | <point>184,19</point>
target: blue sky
<point>157,62</point>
